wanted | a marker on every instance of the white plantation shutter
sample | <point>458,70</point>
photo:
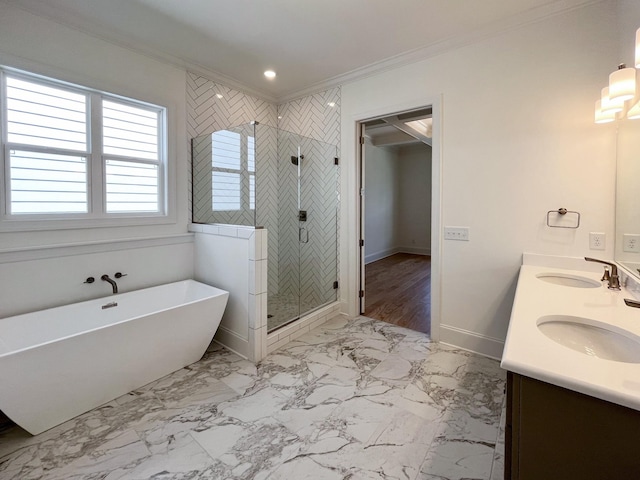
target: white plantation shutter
<point>131,187</point>
<point>48,124</point>
<point>132,157</point>
<point>47,183</point>
<point>44,116</point>
<point>129,131</point>
<point>52,148</point>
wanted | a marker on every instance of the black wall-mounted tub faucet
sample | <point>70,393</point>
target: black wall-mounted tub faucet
<point>113,283</point>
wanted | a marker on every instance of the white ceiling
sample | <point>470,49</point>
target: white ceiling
<point>309,43</point>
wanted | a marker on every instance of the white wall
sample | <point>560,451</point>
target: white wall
<point>397,200</point>
<point>381,202</point>
<point>39,280</point>
<point>517,140</point>
<point>414,203</point>
<point>55,276</point>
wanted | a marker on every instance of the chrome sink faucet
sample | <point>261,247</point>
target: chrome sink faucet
<point>614,279</point>
<point>113,283</point>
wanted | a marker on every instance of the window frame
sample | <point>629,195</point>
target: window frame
<point>97,215</point>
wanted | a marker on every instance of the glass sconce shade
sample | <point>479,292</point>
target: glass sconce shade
<point>622,84</point>
<point>638,48</point>
<point>603,117</point>
<point>634,111</point>
<point>609,105</point>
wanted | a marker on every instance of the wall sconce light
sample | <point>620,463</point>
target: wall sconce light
<point>622,83</point>
<point>622,96</point>
<point>609,105</point>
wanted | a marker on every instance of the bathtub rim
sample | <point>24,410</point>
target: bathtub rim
<point>219,293</point>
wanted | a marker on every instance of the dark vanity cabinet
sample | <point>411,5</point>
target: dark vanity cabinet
<point>553,433</point>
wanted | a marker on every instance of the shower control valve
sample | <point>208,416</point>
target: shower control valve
<point>120,274</point>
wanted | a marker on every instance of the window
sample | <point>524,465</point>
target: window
<point>75,153</point>
<point>232,171</point>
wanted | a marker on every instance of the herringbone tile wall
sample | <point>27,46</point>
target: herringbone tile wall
<point>315,117</point>
<point>319,255</point>
<point>267,198</point>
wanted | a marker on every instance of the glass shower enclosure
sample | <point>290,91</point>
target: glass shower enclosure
<point>261,176</point>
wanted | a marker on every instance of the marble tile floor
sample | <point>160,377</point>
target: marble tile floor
<point>352,399</point>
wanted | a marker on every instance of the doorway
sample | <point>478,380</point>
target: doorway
<point>396,218</point>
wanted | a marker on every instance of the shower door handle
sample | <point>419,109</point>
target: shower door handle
<point>303,235</point>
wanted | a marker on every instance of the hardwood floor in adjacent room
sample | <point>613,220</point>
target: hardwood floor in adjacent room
<point>398,291</point>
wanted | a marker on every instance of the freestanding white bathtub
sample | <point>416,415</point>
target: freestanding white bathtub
<point>58,363</point>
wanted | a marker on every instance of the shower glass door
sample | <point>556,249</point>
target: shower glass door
<point>303,262</point>
<point>318,219</point>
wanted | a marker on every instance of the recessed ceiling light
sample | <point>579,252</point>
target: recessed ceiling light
<point>219,95</point>
<point>270,74</point>
<point>332,104</point>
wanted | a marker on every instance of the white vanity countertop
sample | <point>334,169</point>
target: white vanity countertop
<point>529,352</point>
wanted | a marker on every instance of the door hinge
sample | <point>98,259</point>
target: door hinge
<point>361,140</point>
<point>335,285</point>
<point>361,294</point>
<point>336,161</point>
<point>361,243</point>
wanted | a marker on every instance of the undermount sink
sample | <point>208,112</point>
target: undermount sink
<point>568,280</point>
<point>591,338</point>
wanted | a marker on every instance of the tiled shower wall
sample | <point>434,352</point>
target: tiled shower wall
<point>315,116</point>
<point>308,268</point>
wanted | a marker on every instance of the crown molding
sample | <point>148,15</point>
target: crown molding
<point>493,29</point>
<point>452,43</point>
<point>74,22</point>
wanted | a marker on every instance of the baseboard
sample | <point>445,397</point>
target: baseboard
<point>374,257</point>
<point>471,341</point>
<point>232,341</point>
<point>415,250</point>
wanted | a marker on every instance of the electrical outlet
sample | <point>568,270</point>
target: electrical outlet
<point>456,233</point>
<point>596,240</point>
<point>631,242</point>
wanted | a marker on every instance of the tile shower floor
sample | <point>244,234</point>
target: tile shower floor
<point>352,399</point>
<point>283,309</point>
